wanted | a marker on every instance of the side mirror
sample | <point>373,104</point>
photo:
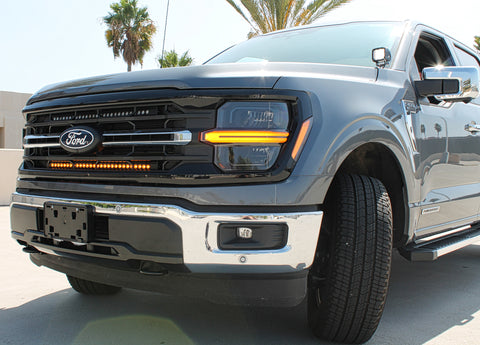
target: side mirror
<point>450,84</point>
<point>381,56</point>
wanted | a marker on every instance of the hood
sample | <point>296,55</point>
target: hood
<point>215,76</point>
<point>223,76</point>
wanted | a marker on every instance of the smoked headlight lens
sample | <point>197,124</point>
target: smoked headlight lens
<point>249,135</point>
<point>246,157</point>
<point>253,115</point>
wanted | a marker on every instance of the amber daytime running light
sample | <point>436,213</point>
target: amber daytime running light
<point>115,165</point>
<point>244,137</point>
<point>302,137</point>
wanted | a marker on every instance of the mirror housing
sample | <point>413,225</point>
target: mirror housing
<point>381,56</point>
<point>450,84</point>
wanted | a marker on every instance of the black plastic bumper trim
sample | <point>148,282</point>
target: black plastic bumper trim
<point>285,290</point>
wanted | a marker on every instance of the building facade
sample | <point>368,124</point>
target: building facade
<point>11,119</point>
<point>11,126</point>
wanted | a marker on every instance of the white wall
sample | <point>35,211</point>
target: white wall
<point>10,161</point>
<point>11,119</point>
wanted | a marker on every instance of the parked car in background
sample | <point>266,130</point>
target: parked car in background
<point>286,167</point>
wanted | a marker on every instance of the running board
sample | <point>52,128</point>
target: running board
<point>433,250</point>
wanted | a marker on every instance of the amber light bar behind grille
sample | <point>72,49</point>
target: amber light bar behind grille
<point>106,165</point>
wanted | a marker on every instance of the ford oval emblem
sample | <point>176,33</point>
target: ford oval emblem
<point>79,139</point>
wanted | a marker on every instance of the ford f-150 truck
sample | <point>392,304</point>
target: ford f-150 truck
<point>286,167</point>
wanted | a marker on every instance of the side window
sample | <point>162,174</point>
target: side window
<point>468,59</point>
<point>465,58</point>
<point>432,51</point>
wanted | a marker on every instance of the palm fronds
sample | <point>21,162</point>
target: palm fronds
<point>129,31</point>
<point>171,59</point>
<point>271,15</point>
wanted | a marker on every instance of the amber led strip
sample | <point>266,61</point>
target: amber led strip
<point>114,165</point>
<point>244,137</point>
<point>302,137</point>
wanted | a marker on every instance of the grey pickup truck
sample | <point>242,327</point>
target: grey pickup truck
<point>285,168</point>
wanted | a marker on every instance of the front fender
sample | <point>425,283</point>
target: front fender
<point>323,162</point>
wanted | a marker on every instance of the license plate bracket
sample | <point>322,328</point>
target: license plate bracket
<point>70,222</point>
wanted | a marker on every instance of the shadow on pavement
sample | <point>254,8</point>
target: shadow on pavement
<point>136,317</point>
<point>425,300</point>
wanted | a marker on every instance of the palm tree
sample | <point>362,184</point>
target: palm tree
<point>477,43</point>
<point>271,15</point>
<point>129,32</point>
<point>170,59</point>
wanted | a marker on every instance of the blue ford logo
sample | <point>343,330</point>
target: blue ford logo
<point>80,139</point>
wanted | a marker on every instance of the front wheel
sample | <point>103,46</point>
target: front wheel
<point>348,281</point>
<point>88,287</point>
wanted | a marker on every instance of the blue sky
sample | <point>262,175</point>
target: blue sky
<point>47,41</point>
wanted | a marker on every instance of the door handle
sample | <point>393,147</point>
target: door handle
<point>472,127</point>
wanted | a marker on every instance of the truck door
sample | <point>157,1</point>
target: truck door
<point>472,112</point>
<point>448,165</point>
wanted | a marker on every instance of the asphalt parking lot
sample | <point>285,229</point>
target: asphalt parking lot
<point>428,303</point>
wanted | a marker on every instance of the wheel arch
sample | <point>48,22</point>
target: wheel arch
<point>376,148</point>
<point>378,161</point>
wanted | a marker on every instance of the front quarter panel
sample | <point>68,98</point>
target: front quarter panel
<point>350,112</point>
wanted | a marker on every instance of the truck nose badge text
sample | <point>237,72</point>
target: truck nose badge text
<point>79,140</point>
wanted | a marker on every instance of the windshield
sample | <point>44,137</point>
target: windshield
<point>346,44</point>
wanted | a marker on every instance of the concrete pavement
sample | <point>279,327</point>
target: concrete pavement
<point>428,303</point>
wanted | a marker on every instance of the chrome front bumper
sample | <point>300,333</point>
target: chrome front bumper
<point>199,235</point>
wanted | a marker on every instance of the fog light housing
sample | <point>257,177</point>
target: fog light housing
<point>244,232</point>
<point>252,236</point>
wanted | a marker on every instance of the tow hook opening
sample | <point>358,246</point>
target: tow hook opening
<point>30,250</point>
<point>153,268</point>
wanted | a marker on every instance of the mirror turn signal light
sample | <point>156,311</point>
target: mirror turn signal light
<point>244,137</point>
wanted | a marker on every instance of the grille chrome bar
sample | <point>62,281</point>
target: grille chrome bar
<point>178,138</point>
<point>28,138</point>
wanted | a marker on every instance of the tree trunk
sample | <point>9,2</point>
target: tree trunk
<point>129,68</point>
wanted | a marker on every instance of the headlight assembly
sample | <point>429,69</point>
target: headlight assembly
<point>248,135</point>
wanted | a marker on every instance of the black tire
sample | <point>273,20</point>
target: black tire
<point>88,287</point>
<point>348,282</point>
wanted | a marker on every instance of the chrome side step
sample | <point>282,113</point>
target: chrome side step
<point>433,250</point>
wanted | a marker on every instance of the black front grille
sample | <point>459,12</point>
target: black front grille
<point>136,134</point>
<point>137,129</point>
